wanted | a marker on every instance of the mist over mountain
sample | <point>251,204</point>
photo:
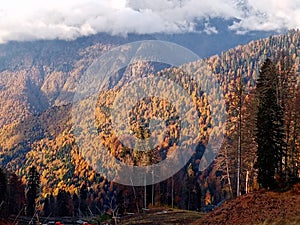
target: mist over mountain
<point>67,20</point>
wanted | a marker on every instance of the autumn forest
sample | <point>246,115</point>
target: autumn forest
<point>44,174</point>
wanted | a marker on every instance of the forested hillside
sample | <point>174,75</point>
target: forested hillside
<point>36,131</point>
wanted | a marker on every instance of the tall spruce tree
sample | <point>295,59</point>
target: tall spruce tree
<point>32,190</point>
<point>270,135</point>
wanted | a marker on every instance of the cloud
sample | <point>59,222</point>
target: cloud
<point>69,19</point>
<point>268,15</point>
<point>210,29</point>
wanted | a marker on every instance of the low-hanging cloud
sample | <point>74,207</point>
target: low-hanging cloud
<point>69,19</point>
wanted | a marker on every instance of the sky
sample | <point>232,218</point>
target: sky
<point>68,19</point>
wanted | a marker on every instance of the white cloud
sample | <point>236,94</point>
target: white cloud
<point>269,15</point>
<point>68,19</point>
<point>210,29</point>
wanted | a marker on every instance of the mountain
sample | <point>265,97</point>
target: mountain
<point>38,75</point>
<point>207,43</point>
<point>37,86</point>
<point>45,72</point>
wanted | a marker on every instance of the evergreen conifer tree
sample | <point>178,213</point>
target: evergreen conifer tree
<point>32,190</point>
<point>270,135</point>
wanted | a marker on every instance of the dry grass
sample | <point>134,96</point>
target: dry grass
<point>162,217</point>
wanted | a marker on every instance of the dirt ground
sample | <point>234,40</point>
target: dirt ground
<point>257,208</point>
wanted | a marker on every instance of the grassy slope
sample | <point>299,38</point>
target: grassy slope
<point>162,216</point>
<point>259,208</point>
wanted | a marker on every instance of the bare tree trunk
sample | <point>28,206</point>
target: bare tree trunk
<point>145,193</point>
<point>238,192</point>
<point>137,207</point>
<point>247,181</point>
<point>227,173</point>
<point>152,197</point>
<point>172,192</point>
<point>189,200</point>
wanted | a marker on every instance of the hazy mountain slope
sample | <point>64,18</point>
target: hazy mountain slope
<point>39,74</point>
